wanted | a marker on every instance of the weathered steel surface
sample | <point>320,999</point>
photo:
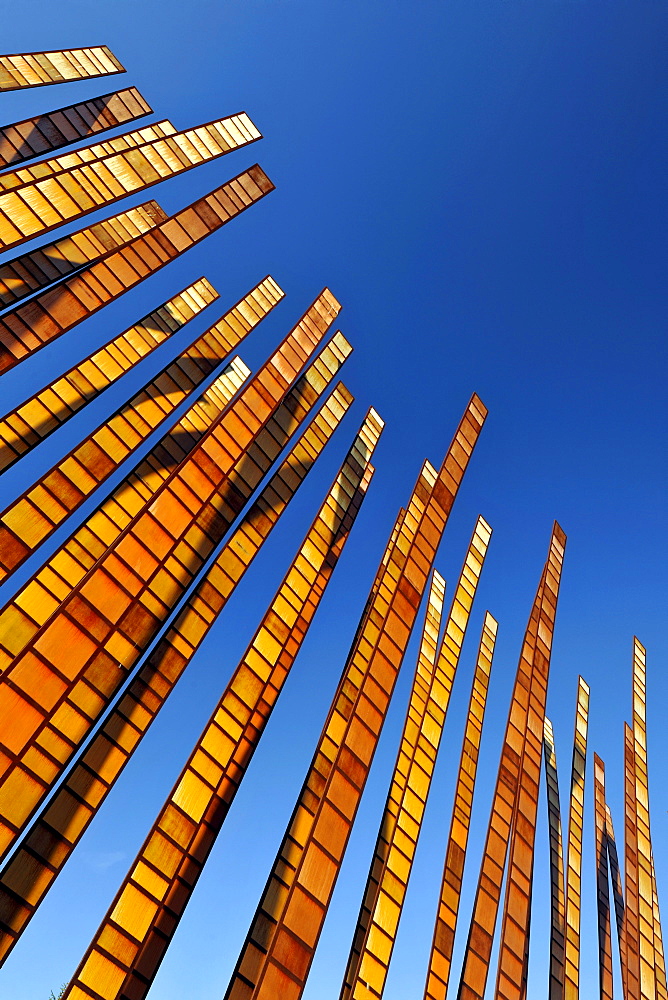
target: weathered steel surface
<point>399,831</point>
<point>279,948</point>
<point>516,791</point>
<point>37,69</point>
<point>73,659</point>
<point>557,896</point>
<point>43,133</point>
<point>440,959</point>
<point>41,856</point>
<point>143,917</point>
<point>55,311</point>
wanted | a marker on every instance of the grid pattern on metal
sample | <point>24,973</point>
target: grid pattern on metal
<point>37,69</point>
<point>514,942</point>
<point>573,859</point>
<point>281,941</point>
<point>32,272</point>
<point>602,885</point>
<point>396,844</point>
<point>45,411</point>
<point>488,892</point>
<point>43,133</point>
<point>30,872</point>
<point>33,517</point>
<point>440,958</point>
<point>140,922</point>
<point>427,655</point>
<point>65,190</point>
<point>69,668</point>
<point>557,898</point>
<point>55,311</point>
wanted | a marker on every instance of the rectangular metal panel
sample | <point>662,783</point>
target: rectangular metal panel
<point>50,314</point>
<point>32,272</point>
<point>400,825</point>
<point>45,411</point>
<point>41,855</point>
<point>602,885</point>
<point>533,656</point>
<point>41,134</point>
<point>37,69</point>
<point>33,517</point>
<point>73,185</point>
<point>144,915</point>
<point>573,864</point>
<point>76,659</point>
<point>440,959</point>
<point>514,943</point>
<point>280,944</point>
<point>557,897</point>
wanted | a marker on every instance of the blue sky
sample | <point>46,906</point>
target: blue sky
<point>482,185</point>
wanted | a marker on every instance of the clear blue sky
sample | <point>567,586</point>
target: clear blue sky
<point>482,185</point>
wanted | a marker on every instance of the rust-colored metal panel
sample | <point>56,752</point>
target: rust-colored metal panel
<point>440,959</point>
<point>631,928</point>
<point>515,928</point>
<point>43,133</point>
<point>53,312</point>
<point>37,199</point>
<point>281,941</point>
<point>660,961</point>
<point>40,857</point>
<point>647,950</point>
<point>32,272</point>
<point>160,882</point>
<point>64,162</point>
<point>557,897</point>
<point>515,782</point>
<point>75,659</point>
<point>33,517</point>
<point>427,656</point>
<point>573,862</point>
<point>400,825</point>
<point>45,411</point>
<point>617,892</point>
<point>37,69</point>
<point>602,885</point>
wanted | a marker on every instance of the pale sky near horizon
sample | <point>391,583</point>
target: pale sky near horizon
<point>482,185</point>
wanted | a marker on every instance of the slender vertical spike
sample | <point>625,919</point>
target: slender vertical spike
<point>41,134</point>
<point>28,875</point>
<point>194,812</point>
<point>643,833</point>
<point>661,986</point>
<point>37,69</point>
<point>631,928</point>
<point>32,325</point>
<point>94,637</point>
<point>515,928</point>
<point>617,892</point>
<point>573,864</point>
<point>400,826</point>
<point>440,959</point>
<point>70,186</point>
<point>557,897</point>
<point>279,948</point>
<point>425,670</point>
<point>526,709</point>
<point>602,885</point>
